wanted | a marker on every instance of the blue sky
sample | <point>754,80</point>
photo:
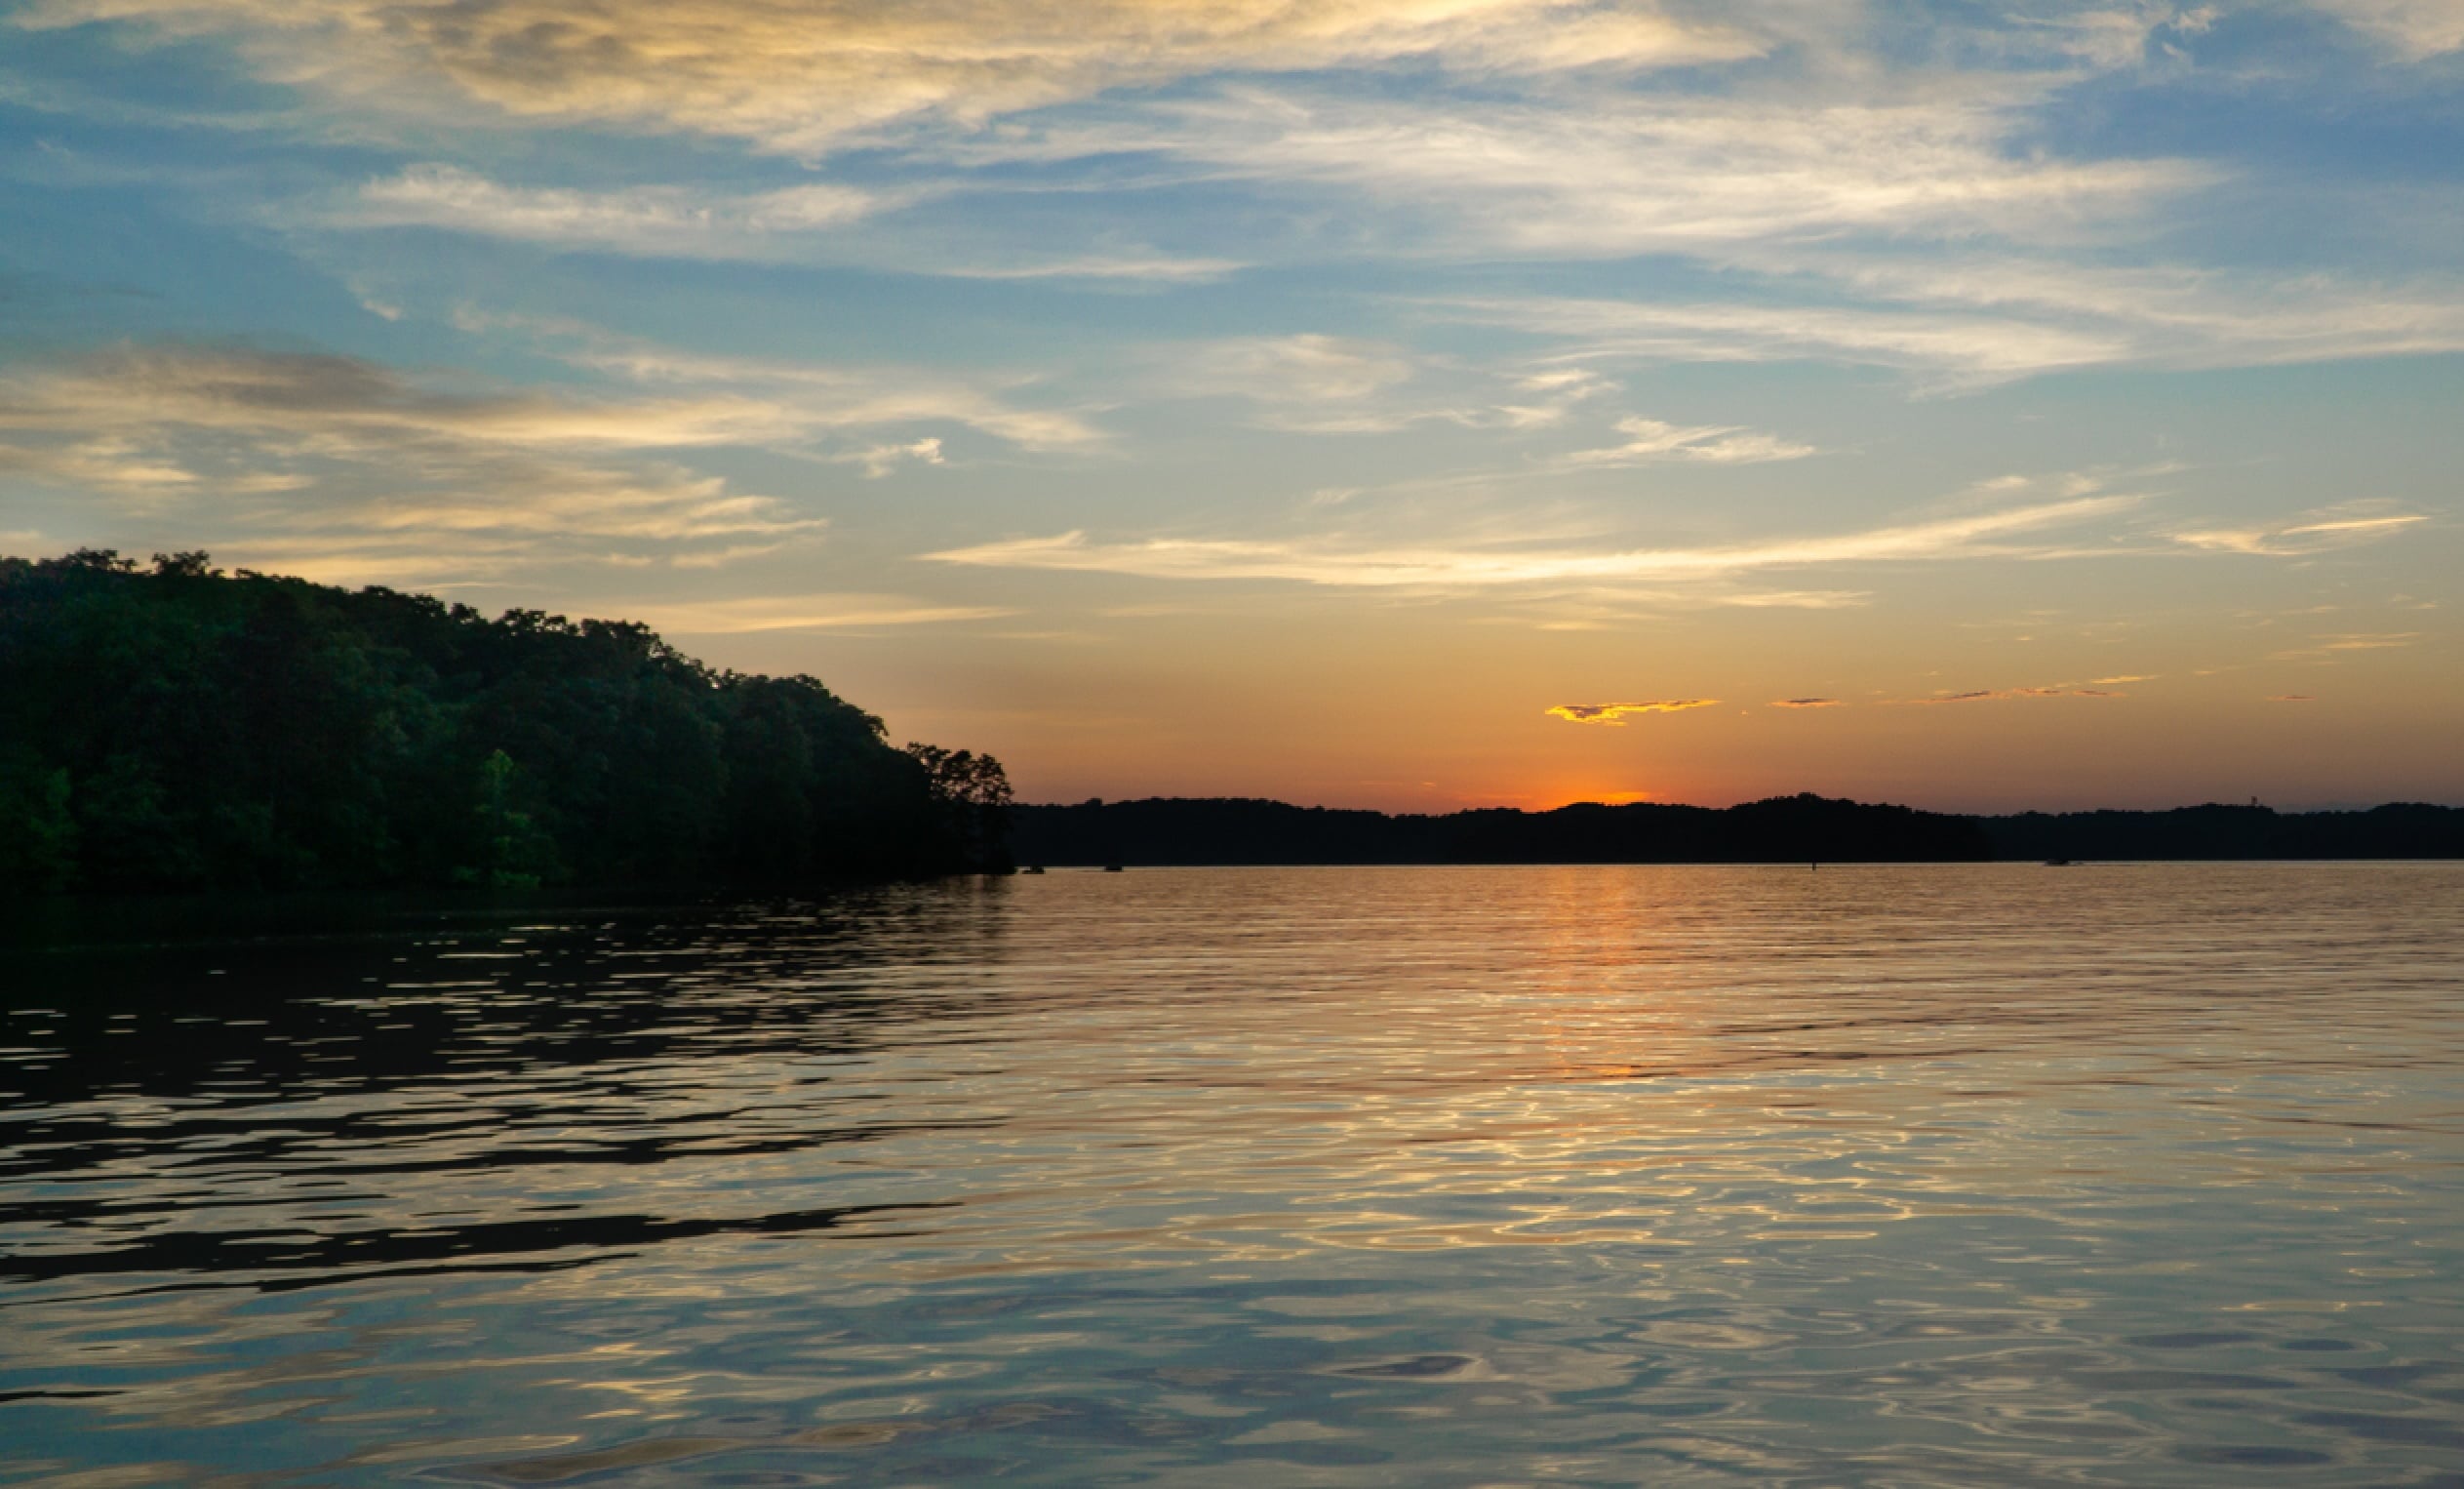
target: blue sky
<point>1354,401</point>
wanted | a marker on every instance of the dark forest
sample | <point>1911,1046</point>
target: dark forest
<point>171,727</point>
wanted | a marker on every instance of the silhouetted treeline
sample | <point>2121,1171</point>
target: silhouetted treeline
<point>2398,830</point>
<point>1805,828</point>
<point>1783,829</point>
<point>172,728</point>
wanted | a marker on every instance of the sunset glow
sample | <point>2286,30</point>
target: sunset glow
<point>1332,400</point>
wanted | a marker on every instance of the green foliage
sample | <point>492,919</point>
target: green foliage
<point>38,837</point>
<point>173,727</point>
<point>513,852</point>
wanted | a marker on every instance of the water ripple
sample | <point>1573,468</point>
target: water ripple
<point>1897,1175</point>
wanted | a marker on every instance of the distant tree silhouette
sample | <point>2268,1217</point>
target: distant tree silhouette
<point>2396,830</point>
<point>1783,829</point>
<point>174,727</point>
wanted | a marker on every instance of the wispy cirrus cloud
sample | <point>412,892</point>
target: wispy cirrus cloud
<point>1306,384</point>
<point>1324,562</point>
<point>1796,599</point>
<point>809,221</point>
<point>2321,532</point>
<point>879,460</point>
<point>1555,175</point>
<point>347,466</point>
<point>2331,646</point>
<point>809,398</point>
<point>323,458</point>
<point>343,404</point>
<point>1954,349</point>
<point>1807,702</point>
<point>1650,441</point>
<point>1614,715</point>
<point>797,78</point>
<point>2415,28</point>
<point>2006,695</point>
<point>2173,314</point>
<point>1917,233</point>
<point>1311,382</point>
<point>809,612</point>
<point>1961,319</point>
<point>341,442</point>
<point>652,220</point>
<point>333,462</point>
<point>1131,266</point>
<point>1548,397</point>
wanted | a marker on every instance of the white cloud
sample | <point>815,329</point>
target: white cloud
<point>1546,398</point>
<point>806,398</point>
<point>1308,383</point>
<point>2173,317</point>
<point>2109,38</point>
<point>1472,568</point>
<point>799,77</point>
<point>1958,350</point>
<point>1869,208</point>
<point>1967,323</point>
<point>1650,440</point>
<point>639,220</point>
<point>1611,173</point>
<point>792,224</point>
<point>2321,532</point>
<point>880,459</point>
<point>2416,28</point>
<point>1798,599</point>
<point>808,611</point>
<point>351,461</point>
<point>1328,384</point>
<point>361,468</point>
<point>1133,267</point>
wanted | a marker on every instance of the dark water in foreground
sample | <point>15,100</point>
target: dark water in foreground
<point>1975,1175</point>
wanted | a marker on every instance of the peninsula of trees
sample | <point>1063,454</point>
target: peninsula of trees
<point>171,727</point>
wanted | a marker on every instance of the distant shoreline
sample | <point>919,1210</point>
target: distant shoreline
<point>1233,833</point>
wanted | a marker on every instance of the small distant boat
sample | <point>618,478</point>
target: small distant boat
<point>1111,869</point>
<point>1032,868</point>
<point>2057,863</point>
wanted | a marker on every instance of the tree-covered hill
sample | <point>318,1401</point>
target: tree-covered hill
<point>173,727</point>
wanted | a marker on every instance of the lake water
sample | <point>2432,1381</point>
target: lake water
<point>1908,1176</point>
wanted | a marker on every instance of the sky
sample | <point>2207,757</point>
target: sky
<point>1413,404</point>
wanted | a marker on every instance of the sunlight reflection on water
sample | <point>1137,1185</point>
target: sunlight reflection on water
<point>1908,1175</point>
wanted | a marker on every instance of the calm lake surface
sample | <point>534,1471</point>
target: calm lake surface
<point>1942,1175</point>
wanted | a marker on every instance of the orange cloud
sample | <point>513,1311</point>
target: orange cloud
<point>1613,714</point>
<point>1807,703</point>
